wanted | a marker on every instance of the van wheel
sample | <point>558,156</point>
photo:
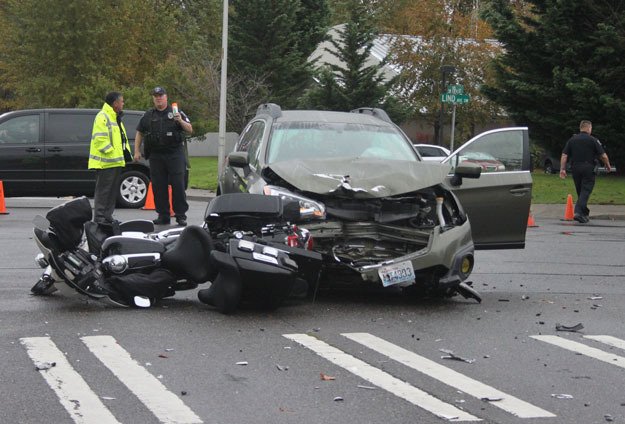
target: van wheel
<point>133,189</point>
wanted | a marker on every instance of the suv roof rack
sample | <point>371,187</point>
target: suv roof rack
<point>373,111</point>
<point>270,109</point>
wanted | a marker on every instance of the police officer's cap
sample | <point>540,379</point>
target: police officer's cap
<point>158,91</point>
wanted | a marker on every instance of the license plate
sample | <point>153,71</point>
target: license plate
<point>401,272</point>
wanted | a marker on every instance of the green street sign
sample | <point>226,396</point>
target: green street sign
<point>455,89</point>
<point>455,98</point>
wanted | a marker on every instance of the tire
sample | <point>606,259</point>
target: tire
<point>132,190</point>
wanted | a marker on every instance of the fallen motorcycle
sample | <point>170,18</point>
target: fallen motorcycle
<point>127,264</point>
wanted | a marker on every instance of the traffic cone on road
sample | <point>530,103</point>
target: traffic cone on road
<point>530,221</point>
<point>149,200</point>
<point>568,212</point>
<point>171,207</point>
<point>3,208</point>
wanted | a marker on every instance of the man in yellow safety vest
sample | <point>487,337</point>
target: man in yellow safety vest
<point>109,153</point>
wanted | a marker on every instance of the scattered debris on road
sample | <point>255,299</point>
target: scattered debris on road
<point>574,328</point>
<point>452,355</point>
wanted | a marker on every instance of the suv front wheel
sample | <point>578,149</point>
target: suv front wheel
<point>133,189</point>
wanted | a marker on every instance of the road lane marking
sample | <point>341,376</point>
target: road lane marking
<point>165,405</point>
<point>450,377</point>
<point>382,379</point>
<point>576,347</point>
<point>82,404</point>
<point>609,340</point>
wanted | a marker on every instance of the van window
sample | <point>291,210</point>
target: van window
<point>21,130</point>
<point>130,123</point>
<point>69,127</point>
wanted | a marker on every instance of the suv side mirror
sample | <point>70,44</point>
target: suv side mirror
<point>238,159</point>
<point>465,170</point>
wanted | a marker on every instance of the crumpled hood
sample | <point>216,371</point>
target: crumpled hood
<point>360,177</point>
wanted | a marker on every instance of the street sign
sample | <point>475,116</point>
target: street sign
<point>455,89</point>
<point>455,98</point>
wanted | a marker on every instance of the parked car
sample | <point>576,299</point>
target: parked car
<point>375,210</point>
<point>486,161</point>
<point>432,152</point>
<point>44,152</point>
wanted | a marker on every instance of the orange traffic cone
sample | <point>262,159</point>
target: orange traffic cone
<point>3,208</point>
<point>568,212</point>
<point>149,200</point>
<point>171,207</point>
<point>530,221</point>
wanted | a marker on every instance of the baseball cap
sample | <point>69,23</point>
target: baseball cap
<point>158,91</point>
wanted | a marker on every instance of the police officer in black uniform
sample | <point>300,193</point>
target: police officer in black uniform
<point>583,149</point>
<point>164,133</point>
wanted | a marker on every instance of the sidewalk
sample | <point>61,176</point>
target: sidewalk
<point>611,212</point>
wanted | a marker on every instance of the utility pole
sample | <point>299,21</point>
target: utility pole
<point>221,151</point>
<point>445,70</point>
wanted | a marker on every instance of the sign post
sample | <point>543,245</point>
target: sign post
<point>454,95</point>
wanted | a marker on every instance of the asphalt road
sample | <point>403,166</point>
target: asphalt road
<point>349,357</point>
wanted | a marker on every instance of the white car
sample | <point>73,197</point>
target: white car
<point>432,152</point>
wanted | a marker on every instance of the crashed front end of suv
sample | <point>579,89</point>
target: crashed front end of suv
<point>392,223</point>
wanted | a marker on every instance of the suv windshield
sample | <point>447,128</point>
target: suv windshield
<point>319,140</point>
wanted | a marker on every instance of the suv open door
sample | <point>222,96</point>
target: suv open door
<point>498,202</point>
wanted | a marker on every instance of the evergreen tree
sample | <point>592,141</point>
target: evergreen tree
<point>271,40</point>
<point>563,62</point>
<point>353,82</point>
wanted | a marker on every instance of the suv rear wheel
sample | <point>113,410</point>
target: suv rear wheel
<point>133,189</point>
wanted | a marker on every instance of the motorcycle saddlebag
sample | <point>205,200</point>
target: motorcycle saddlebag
<point>154,285</point>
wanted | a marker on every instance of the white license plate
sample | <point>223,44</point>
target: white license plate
<point>401,272</point>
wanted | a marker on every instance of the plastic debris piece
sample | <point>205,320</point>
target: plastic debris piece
<point>561,396</point>
<point>242,363</point>
<point>108,398</point>
<point>608,417</point>
<point>42,366</point>
<point>595,297</point>
<point>326,377</point>
<point>452,355</point>
<point>183,393</point>
<point>504,300</point>
<point>281,368</point>
<point>491,399</point>
<point>360,386</point>
<point>169,349</point>
<point>574,328</point>
<point>338,399</point>
<point>161,355</point>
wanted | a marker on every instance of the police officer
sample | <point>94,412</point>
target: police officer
<point>583,149</point>
<point>164,134</point>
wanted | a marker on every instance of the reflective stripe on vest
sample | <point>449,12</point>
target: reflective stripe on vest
<point>106,160</point>
<point>109,125</point>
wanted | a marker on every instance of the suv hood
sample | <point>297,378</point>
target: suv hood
<point>360,177</point>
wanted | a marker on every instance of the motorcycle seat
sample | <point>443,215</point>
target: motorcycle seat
<point>189,256</point>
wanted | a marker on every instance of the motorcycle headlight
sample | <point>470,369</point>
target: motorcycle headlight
<point>308,208</point>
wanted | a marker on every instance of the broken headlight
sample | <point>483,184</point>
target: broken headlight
<point>308,208</point>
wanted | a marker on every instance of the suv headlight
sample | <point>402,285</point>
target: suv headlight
<point>308,208</point>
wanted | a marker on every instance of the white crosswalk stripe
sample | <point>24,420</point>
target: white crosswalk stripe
<point>450,377</point>
<point>83,405</point>
<point>609,340</point>
<point>167,407</point>
<point>75,395</point>
<point>577,347</point>
<point>382,379</point>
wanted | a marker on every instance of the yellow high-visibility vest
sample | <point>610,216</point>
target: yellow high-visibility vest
<point>106,141</point>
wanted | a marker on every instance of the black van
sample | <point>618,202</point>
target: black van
<point>44,152</point>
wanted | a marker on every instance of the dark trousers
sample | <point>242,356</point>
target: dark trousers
<point>106,186</point>
<point>584,178</point>
<point>169,169</point>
